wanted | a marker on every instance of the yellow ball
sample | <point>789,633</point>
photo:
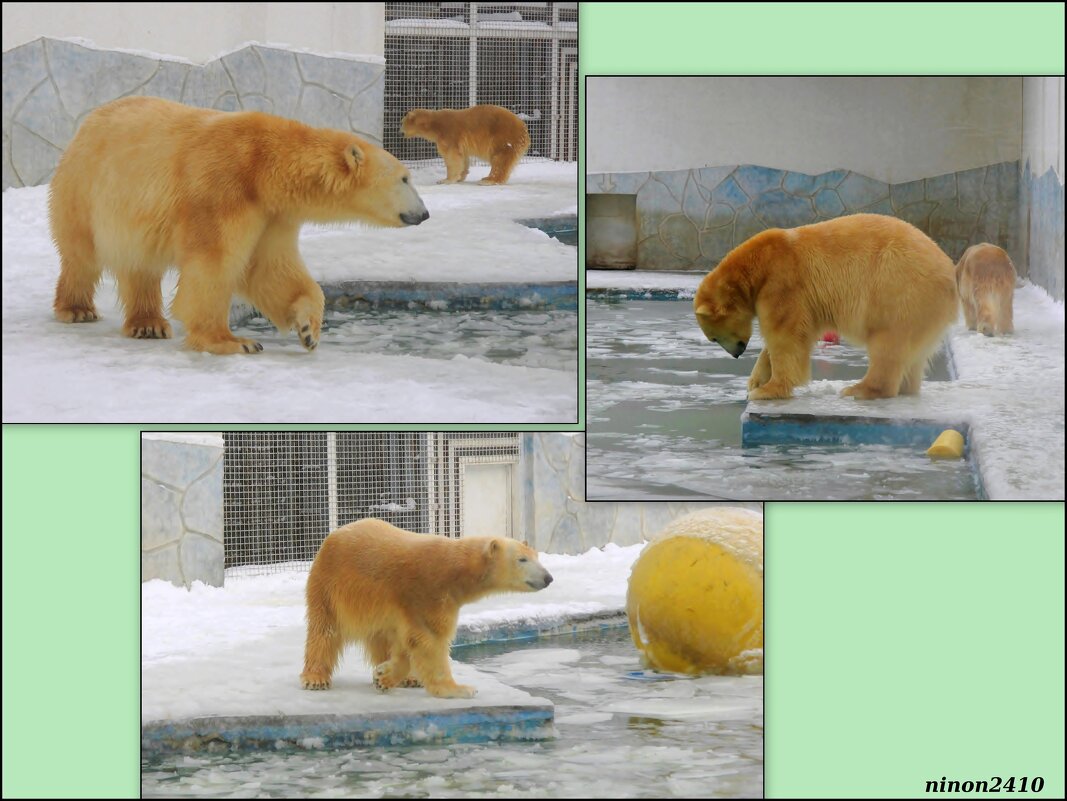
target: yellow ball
<point>695,597</point>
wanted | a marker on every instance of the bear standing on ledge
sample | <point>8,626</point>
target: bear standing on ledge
<point>398,594</point>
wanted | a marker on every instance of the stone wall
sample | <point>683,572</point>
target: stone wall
<point>1044,200</point>
<point>690,219</point>
<point>181,508</point>
<point>50,86</point>
<point>557,517</point>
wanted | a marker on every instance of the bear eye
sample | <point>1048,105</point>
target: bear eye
<point>405,179</point>
<point>523,559</point>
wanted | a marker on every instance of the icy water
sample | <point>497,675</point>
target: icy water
<point>542,338</point>
<point>616,738</point>
<point>664,421</point>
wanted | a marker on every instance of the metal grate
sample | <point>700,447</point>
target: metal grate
<point>522,56</point>
<point>283,492</point>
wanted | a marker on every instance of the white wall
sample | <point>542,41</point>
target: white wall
<point>892,129</point>
<point>200,32</point>
<point>1043,124</point>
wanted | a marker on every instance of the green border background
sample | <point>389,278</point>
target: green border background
<point>904,641</point>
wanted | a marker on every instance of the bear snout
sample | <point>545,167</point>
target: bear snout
<point>542,582</point>
<point>414,218</point>
<point>735,351</point>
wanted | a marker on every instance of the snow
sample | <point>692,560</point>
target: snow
<point>1009,390</point>
<point>635,280</point>
<point>55,372</point>
<point>195,644</point>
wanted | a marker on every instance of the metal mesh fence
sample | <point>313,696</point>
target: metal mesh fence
<point>522,56</point>
<point>283,492</point>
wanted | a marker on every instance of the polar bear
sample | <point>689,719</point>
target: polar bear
<point>398,594</point>
<point>876,280</point>
<point>147,184</point>
<point>488,132</point>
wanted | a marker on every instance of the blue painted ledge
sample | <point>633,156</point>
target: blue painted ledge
<point>759,428</point>
<point>451,296</point>
<point>540,627</point>
<point>222,734</point>
<point>483,724</point>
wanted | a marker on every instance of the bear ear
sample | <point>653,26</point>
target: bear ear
<point>493,547</point>
<point>353,155</point>
<point>704,309</point>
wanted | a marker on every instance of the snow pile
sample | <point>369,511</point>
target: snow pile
<point>634,280</point>
<point>90,373</point>
<point>240,649</point>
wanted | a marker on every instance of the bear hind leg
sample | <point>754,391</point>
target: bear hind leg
<point>202,303</point>
<point>321,654</point>
<point>501,164</point>
<point>885,369</point>
<point>76,289</point>
<point>142,298</point>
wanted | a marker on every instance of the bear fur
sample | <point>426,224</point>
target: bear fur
<point>876,280</point>
<point>490,133</point>
<point>147,184</point>
<point>398,594</point>
<point>986,280</point>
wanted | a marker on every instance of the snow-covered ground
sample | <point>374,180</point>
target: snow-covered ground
<point>239,649</point>
<point>685,284</point>
<point>90,373</point>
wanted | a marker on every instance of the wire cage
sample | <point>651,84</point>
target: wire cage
<point>283,492</point>
<point>522,56</point>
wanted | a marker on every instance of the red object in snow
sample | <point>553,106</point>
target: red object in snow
<point>831,337</point>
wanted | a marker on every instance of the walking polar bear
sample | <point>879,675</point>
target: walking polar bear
<point>147,184</point>
<point>398,594</point>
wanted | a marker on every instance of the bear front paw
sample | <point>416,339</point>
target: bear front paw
<point>77,314</point>
<point>771,391</point>
<point>309,336</point>
<point>315,681</point>
<point>452,691</point>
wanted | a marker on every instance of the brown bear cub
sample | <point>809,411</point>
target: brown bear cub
<point>147,184</point>
<point>398,594</point>
<point>490,133</point>
<point>986,280</point>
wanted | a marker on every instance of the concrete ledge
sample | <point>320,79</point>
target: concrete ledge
<point>441,296</point>
<point>563,227</point>
<point>533,629</point>
<point>562,295</point>
<point>758,428</point>
<point>472,725</point>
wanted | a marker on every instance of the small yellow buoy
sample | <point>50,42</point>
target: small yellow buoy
<point>695,597</point>
<point>948,445</point>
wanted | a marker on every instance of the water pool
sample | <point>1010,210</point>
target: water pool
<point>664,408</point>
<point>616,738</point>
<point>529,338</point>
